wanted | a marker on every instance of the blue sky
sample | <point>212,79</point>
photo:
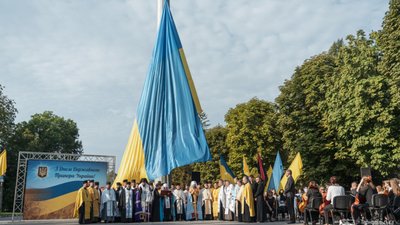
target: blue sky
<point>87,60</point>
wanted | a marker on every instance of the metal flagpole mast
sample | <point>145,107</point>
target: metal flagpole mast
<point>1,192</point>
<point>160,5</point>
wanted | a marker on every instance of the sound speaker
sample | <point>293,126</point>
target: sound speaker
<point>196,177</point>
<point>365,171</point>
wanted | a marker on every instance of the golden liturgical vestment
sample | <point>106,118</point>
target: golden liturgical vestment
<point>82,197</point>
<point>94,194</point>
<point>248,199</point>
<point>215,194</point>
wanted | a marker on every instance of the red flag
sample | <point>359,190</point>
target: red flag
<point>260,167</point>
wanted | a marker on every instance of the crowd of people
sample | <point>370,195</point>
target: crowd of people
<point>244,200</point>
<point>364,199</point>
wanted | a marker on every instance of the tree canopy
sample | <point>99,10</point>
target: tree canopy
<point>252,129</point>
<point>7,116</point>
<point>340,109</point>
<point>44,132</point>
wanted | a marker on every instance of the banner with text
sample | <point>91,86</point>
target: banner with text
<point>51,186</point>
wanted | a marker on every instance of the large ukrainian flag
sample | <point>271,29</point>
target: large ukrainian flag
<point>167,132</point>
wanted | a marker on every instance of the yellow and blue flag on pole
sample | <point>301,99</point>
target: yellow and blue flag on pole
<point>168,132</point>
<point>277,173</point>
<point>297,169</point>
<point>269,176</point>
<point>246,169</point>
<point>225,172</point>
<point>3,162</point>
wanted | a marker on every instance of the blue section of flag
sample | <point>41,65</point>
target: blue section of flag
<point>277,173</point>
<point>54,191</point>
<point>169,126</point>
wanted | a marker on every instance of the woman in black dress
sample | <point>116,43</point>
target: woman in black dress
<point>313,192</point>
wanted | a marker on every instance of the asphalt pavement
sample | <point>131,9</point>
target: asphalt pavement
<point>67,222</point>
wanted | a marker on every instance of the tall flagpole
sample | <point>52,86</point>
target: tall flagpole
<point>160,5</point>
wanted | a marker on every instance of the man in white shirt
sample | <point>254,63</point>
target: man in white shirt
<point>334,190</point>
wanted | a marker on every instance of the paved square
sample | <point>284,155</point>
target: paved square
<point>59,222</point>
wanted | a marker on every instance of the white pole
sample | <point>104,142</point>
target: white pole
<point>160,5</point>
<point>1,193</point>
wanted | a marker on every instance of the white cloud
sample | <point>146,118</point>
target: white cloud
<point>87,60</point>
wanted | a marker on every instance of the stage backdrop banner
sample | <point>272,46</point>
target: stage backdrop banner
<point>51,186</point>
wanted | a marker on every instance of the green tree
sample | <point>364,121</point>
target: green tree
<point>389,67</point>
<point>182,175</point>
<point>300,116</point>
<point>7,117</point>
<point>389,44</point>
<point>357,108</point>
<point>45,132</point>
<point>252,128</point>
<point>216,139</point>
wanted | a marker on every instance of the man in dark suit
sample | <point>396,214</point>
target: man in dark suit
<point>253,184</point>
<point>259,201</point>
<point>290,191</point>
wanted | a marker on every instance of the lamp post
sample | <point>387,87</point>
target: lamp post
<point>1,192</point>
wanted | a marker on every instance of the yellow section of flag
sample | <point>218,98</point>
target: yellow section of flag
<point>132,163</point>
<point>296,167</point>
<point>225,175</point>
<point>246,169</point>
<point>269,177</point>
<point>190,81</point>
<point>3,162</point>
